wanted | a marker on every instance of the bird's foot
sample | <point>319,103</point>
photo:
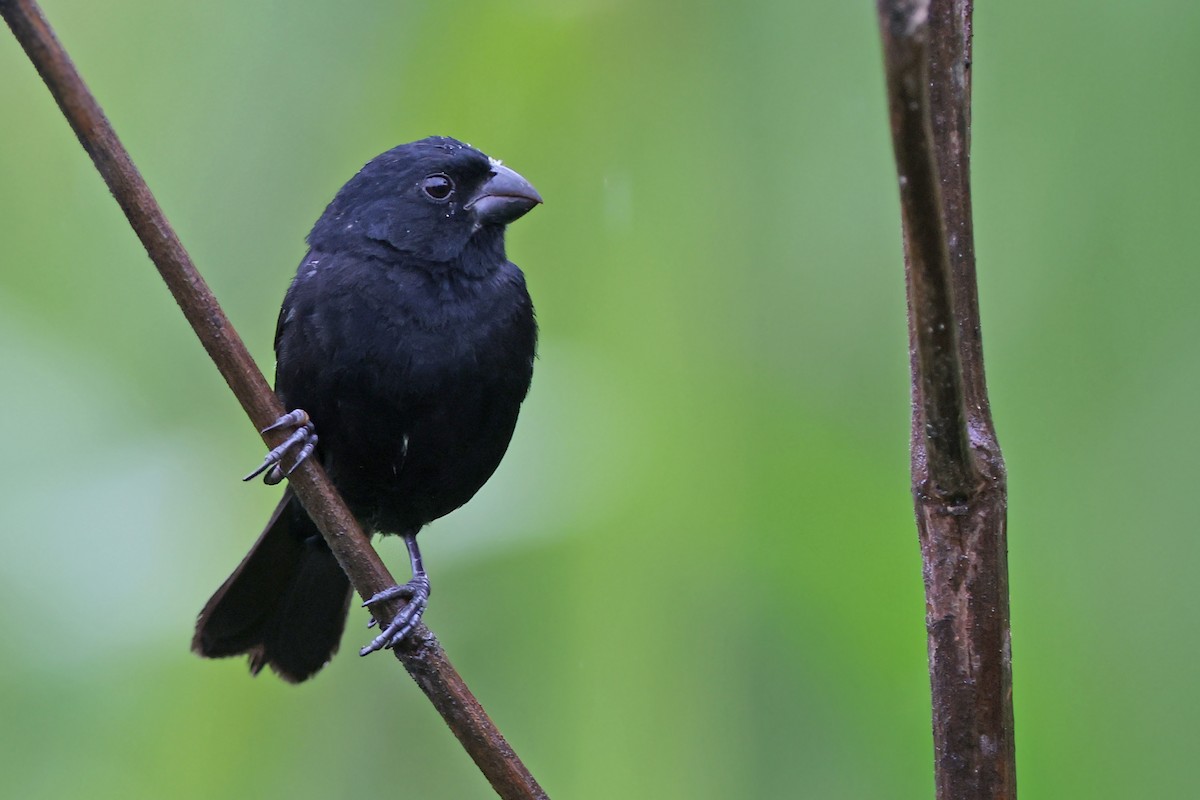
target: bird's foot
<point>416,592</point>
<point>303,440</point>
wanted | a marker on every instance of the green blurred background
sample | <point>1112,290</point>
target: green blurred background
<point>696,574</point>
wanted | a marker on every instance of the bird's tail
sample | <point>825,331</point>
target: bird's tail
<point>284,606</point>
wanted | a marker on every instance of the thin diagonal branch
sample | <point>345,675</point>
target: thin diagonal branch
<point>421,655</point>
<point>958,475</point>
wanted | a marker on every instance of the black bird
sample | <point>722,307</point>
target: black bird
<point>406,343</point>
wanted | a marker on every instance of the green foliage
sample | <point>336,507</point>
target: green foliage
<point>696,575</point>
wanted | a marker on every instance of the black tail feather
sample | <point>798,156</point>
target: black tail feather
<point>284,606</point>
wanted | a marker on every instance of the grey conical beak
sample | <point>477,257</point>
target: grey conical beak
<point>505,197</point>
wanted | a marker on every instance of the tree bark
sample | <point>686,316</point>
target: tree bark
<point>958,474</point>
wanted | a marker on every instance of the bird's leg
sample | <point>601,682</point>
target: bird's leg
<point>416,592</point>
<point>303,440</point>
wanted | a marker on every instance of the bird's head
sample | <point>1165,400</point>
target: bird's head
<point>425,202</point>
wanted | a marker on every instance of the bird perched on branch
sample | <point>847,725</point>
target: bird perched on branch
<point>404,349</point>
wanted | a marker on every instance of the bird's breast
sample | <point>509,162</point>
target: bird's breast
<point>414,387</point>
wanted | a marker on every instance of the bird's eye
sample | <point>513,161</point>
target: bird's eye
<point>437,187</point>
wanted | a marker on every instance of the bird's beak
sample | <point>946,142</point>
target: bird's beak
<point>505,197</point>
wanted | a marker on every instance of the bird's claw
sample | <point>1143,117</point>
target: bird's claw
<point>303,440</point>
<point>416,592</point>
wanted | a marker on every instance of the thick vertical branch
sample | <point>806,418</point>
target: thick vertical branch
<point>958,475</point>
<point>421,654</point>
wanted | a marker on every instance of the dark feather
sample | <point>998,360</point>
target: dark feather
<point>408,338</point>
